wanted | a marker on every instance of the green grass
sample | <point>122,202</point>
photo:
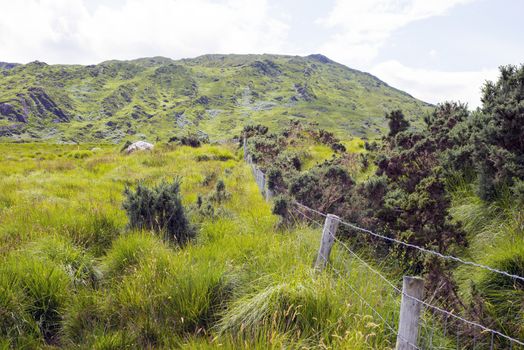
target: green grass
<point>72,275</point>
<point>496,235</point>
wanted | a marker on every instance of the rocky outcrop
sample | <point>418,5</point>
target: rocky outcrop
<point>140,114</point>
<point>202,100</point>
<point>9,111</point>
<point>320,58</point>
<point>44,103</point>
<point>11,130</point>
<point>7,65</point>
<point>303,92</point>
<point>267,67</point>
<point>120,98</point>
<point>139,146</point>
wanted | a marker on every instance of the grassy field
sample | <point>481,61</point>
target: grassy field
<point>72,275</point>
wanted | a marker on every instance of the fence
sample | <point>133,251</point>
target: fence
<point>413,306</point>
<point>260,177</point>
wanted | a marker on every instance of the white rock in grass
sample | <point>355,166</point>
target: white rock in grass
<point>139,146</point>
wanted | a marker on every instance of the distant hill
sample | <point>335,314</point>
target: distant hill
<point>156,98</point>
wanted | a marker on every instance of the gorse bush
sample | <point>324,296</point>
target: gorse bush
<point>192,140</point>
<point>159,209</point>
<point>220,194</point>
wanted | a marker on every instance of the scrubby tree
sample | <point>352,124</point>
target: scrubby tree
<point>499,134</point>
<point>159,209</point>
<point>397,122</point>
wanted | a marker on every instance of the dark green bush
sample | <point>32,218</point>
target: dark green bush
<point>159,209</point>
<point>219,194</point>
<point>192,140</point>
<point>324,187</point>
<point>397,122</point>
<point>126,146</point>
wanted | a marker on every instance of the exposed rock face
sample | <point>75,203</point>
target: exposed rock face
<point>120,98</point>
<point>11,130</point>
<point>203,100</point>
<point>44,103</point>
<point>7,65</point>
<point>139,146</point>
<point>304,92</point>
<point>320,58</point>
<point>267,67</point>
<point>9,111</point>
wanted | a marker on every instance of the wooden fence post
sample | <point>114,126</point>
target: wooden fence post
<point>326,243</point>
<point>245,148</point>
<point>412,288</point>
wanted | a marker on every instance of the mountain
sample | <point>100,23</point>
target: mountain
<point>157,98</point>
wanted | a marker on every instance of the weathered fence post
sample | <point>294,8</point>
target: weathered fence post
<point>326,243</point>
<point>245,148</point>
<point>408,325</point>
<point>269,193</point>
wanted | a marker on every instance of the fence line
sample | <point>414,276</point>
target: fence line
<point>422,249</point>
<point>431,306</point>
<point>353,289</point>
<point>260,179</point>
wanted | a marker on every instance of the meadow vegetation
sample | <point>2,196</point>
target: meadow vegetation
<point>75,274</point>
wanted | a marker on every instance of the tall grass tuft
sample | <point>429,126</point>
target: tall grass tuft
<point>34,292</point>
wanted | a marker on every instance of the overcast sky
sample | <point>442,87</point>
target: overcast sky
<point>434,49</point>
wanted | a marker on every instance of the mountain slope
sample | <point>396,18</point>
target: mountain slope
<point>212,94</point>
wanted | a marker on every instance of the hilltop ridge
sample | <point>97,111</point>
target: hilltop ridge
<point>216,95</point>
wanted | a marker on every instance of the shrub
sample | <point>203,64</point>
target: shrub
<point>275,180</point>
<point>251,130</point>
<point>126,146</point>
<point>220,194</point>
<point>323,188</point>
<point>159,209</point>
<point>192,140</point>
<point>282,207</point>
<point>397,122</point>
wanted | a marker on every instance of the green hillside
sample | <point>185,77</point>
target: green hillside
<point>214,94</point>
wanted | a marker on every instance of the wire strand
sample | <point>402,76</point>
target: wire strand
<point>391,328</point>
<point>436,308</point>
<point>425,250</point>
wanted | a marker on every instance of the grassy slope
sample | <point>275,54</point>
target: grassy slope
<point>68,261</point>
<point>214,94</point>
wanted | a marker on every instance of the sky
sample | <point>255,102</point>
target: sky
<point>436,50</point>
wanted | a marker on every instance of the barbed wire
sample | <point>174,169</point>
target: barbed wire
<point>409,245</point>
<point>391,328</point>
<point>431,306</point>
<point>425,250</point>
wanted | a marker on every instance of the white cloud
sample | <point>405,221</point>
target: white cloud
<point>435,86</point>
<point>65,31</point>
<point>363,27</point>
